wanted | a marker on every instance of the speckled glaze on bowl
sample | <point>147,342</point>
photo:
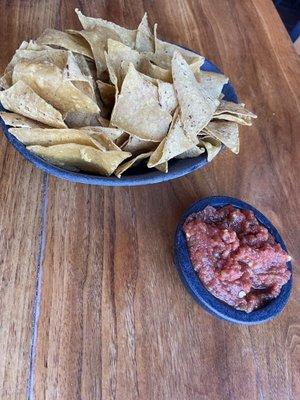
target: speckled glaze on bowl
<point>202,296</point>
<point>134,177</point>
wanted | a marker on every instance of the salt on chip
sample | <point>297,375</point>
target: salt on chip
<point>85,158</point>
<point>127,36</point>
<point>48,82</point>
<point>137,110</point>
<point>196,105</point>
<point>226,132</point>
<point>21,99</point>
<point>176,142</point>
<point>19,121</point>
<point>144,37</point>
<point>212,147</point>
<point>131,163</point>
<point>167,96</point>
<point>54,37</point>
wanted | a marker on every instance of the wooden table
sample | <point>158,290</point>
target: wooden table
<point>91,306</point>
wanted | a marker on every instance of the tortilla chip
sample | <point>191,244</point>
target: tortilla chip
<point>6,80</point>
<point>85,158</point>
<point>135,145</point>
<point>164,167</point>
<point>164,52</point>
<point>192,153</point>
<point>33,45</point>
<point>137,110</point>
<point>21,99</point>
<point>100,139</point>
<point>230,111</point>
<point>167,96</point>
<point>176,142</point>
<point>126,36</point>
<point>54,37</point>
<point>154,71</point>
<point>131,163</point>
<point>196,105</point>
<point>81,119</point>
<point>117,54</point>
<point>19,121</point>
<point>103,122</point>
<point>144,38</point>
<point>50,137</point>
<point>225,132</point>
<point>212,82</point>
<point>111,133</point>
<point>49,83</point>
<point>212,147</point>
<point>98,43</point>
<point>107,93</point>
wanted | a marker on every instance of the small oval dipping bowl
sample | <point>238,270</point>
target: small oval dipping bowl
<point>202,296</point>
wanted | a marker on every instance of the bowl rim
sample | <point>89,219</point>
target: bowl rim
<point>203,297</point>
<point>177,170</point>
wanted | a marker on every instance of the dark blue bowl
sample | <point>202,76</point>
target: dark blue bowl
<point>202,296</point>
<point>139,175</point>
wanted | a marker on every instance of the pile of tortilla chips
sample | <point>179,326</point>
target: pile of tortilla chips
<point>107,98</point>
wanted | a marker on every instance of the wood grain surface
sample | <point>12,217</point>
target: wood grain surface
<point>91,306</point>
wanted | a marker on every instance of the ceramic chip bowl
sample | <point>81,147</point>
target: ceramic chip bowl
<point>139,175</point>
<point>202,296</point>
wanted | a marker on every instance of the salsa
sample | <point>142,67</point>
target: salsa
<point>235,257</point>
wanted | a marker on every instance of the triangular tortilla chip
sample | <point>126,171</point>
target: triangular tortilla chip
<point>196,105</point>
<point>49,83</point>
<point>195,151</point>
<point>107,93</point>
<point>126,36</point>
<point>212,82</point>
<point>21,99</point>
<point>144,37</point>
<point>136,145</point>
<point>54,37</point>
<point>19,121</point>
<point>230,111</point>
<point>117,54</point>
<point>212,147</point>
<point>111,133</point>
<point>226,132</point>
<point>154,71</point>
<point>81,119</point>
<point>176,142</point>
<point>167,96</point>
<point>50,137</point>
<point>85,158</point>
<point>98,42</point>
<point>131,163</point>
<point>137,110</point>
<point>164,52</point>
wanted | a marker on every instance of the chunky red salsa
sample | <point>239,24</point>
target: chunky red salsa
<point>235,257</point>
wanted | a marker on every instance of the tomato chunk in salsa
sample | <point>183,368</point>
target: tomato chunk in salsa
<point>235,257</point>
